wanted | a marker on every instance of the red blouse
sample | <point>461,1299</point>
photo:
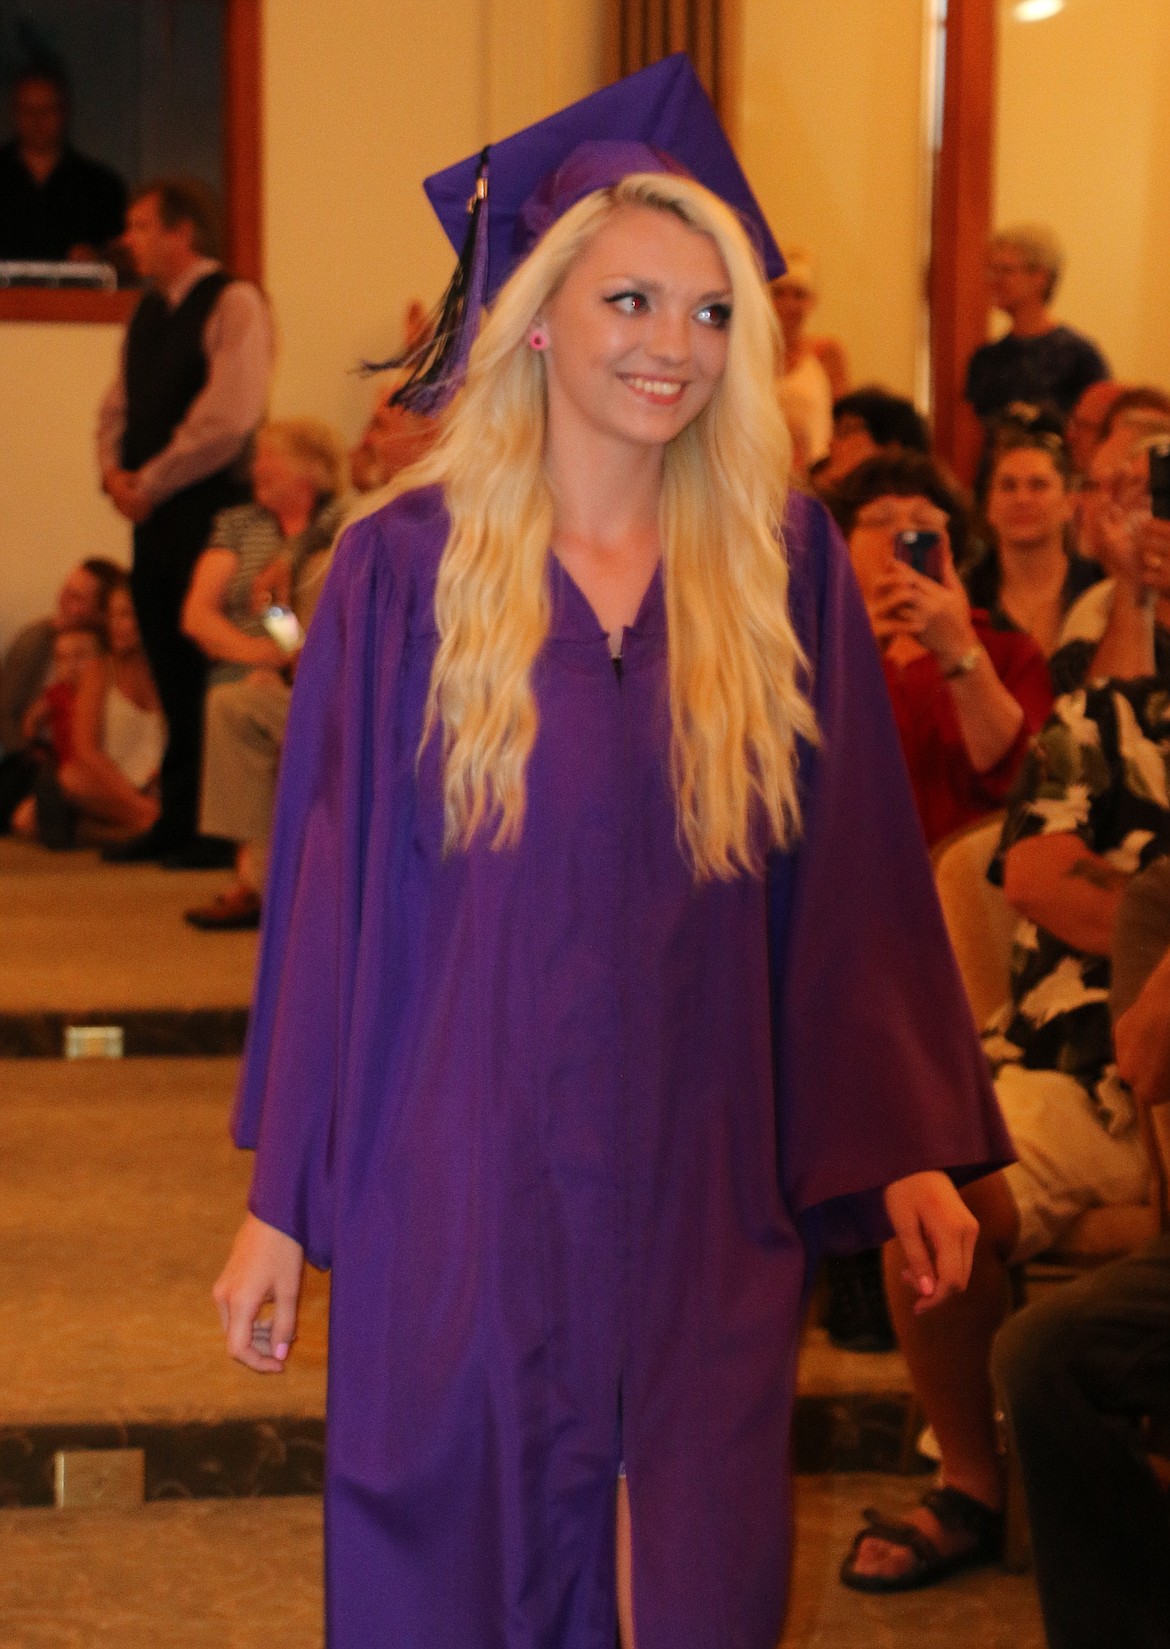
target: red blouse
<point>948,790</point>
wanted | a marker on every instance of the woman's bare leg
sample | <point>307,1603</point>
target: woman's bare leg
<point>625,1586</point>
<point>949,1355</point>
<point>113,803</point>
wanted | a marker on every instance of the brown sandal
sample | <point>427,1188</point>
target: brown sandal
<point>958,1513</point>
<point>239,907</point>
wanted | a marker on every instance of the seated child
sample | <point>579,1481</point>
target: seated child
<point>47,724</point>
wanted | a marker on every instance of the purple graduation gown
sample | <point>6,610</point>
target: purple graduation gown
<point>565,1124</point>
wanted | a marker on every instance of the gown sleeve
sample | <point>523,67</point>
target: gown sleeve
<point>878,1066</point>
<point>295,1052</point>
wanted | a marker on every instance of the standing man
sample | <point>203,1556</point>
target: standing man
<point>173,437</point>
<point>1038,360</point>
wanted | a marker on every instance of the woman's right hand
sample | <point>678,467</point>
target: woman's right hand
<point>264,1269</point>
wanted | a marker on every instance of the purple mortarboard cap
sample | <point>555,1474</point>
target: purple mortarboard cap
<point>643,123</point>
<point>495,206</point>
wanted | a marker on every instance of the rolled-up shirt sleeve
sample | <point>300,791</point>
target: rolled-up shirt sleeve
<point>237,340</point>
<point>112,422</point>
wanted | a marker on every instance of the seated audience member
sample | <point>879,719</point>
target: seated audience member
<point>47,728</point>
<point>1029,575</point>
<point>108,789</point>
<point>804,386</point>
<point>1038,359</point>
<point>866,422</point>
<point>1041,421</point>
<point>281,539</point>
<point>967,697</point>
<point>1082,1367</point>
<point>394,437</point>
<point>1121,626</point>
<point>81,601</point>
<point>1140,409</point>
<point>55,204</point>
<point>1090,811</point>
<point>243,737</point>
<point>392,440</point>
<point>1086,426</point>
<point>298,493</point>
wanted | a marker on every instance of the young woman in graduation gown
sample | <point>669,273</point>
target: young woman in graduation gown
<point>602,981</point>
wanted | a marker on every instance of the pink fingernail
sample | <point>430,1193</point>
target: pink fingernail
<point>926,1285</point>
<point>281,1353</point>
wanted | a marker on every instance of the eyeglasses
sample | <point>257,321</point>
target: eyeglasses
<point>914,512</point>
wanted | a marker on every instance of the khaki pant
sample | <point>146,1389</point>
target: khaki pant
<point>243,732</point>
<point>1067,1162</point>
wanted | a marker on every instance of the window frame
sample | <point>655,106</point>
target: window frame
<point>241,189</point>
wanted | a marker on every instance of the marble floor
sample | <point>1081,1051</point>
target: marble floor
<point>246,1575</point>
<point>119,1193</point>
<point>77,934</point>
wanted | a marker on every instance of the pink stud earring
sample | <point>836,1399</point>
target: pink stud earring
<point>537,339</point>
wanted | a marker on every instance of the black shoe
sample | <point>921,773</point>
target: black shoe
<point>856,1317</point>
<point>56,815</point>
<point>138,850</point>
<point>201,853</point>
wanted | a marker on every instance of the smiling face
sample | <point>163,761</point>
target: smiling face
<point>637,330</point>
<point>1028,503</point>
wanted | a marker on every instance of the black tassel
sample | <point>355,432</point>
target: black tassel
<point>436,364</point>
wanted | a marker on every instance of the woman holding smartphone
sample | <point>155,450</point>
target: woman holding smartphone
<point>299,471</point>
<point>540,1062</point>
<point>967,696</point>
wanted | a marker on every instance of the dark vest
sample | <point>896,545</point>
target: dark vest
<point>165,366</point>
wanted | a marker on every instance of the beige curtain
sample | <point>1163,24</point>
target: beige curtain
<point>640,32</point>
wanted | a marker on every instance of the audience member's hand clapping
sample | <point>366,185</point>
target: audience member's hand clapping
<point>1151,540</point>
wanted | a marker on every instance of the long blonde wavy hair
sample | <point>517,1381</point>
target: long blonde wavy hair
<point>735,665</point>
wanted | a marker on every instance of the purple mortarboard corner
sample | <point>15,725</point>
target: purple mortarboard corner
<point>658,120</point>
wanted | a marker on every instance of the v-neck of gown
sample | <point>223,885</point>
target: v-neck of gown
<point>574,619</point>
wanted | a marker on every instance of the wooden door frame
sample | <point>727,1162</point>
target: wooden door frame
<point>961,222</point>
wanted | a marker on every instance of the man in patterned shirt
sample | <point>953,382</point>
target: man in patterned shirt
<point>1090,809</point>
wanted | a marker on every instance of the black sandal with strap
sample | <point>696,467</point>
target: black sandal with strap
<point>958,1513</point>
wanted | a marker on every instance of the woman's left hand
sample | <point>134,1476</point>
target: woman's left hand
<point>937,1232</point>
<point>936,615</point>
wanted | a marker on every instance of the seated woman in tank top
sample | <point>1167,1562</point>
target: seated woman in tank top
<point>108,790</point>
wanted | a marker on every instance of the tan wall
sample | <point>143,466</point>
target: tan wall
<point>361,99</point>
<point>51,512</point>
<point>1084,145</point>
<point>830,136</point>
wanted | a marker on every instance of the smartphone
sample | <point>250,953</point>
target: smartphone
<point>284,627</point>
<point>1160,479</point>
<point>921,550</point>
